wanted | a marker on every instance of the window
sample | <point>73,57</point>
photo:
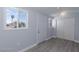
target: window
<point>52,23</point>
<point>16,18</point>
<point>49,22</point>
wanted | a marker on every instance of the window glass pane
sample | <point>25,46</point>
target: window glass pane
<point>11,18</point>
<point>53,23</point>
<point>22,21</point>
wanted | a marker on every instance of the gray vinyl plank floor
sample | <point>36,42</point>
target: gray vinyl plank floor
<point>56,45</point>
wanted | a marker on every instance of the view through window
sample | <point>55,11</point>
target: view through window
<point>16,18</point>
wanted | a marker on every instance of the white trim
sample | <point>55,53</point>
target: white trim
<point>51,37</point>
<point>76,41</point>
<point>71,40</point>
<point>25,49</point>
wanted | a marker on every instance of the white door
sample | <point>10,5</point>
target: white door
<point>41,28</point>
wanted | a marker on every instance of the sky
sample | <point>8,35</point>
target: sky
<point>20,15</point>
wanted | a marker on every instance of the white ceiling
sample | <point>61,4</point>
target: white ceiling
<point>53,10</point>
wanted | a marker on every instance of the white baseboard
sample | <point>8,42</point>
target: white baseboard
<point>51,37</point>
<point>25,49</point>
<point>76,41</point>
<point>71,40</point>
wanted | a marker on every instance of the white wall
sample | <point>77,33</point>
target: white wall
<point>15,40</point>
<point>69,28</point>
<point>76,32</point>
<point>65,28</point>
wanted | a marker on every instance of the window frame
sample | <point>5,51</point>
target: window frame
<point>18,9</point>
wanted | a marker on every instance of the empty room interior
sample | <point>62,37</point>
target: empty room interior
<point>39,29</point>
